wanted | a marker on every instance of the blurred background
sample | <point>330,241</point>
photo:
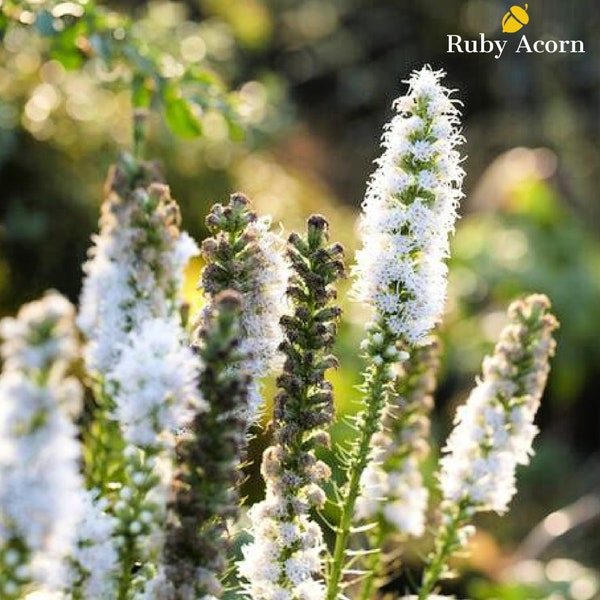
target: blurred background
<point>312,83</point>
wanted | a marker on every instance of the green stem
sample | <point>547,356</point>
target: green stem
<point>367,425</point>
<point>374,564</point>
<point>127,567</point>
<point>446,544</point>
<point>140,132</point>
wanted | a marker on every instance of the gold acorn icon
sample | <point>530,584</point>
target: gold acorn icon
<point>515,19</point>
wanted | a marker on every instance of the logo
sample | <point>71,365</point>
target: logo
<point>516,18</point>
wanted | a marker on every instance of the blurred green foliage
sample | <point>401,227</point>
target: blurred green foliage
<point>536,243</point>
<point>159,63</point>
<point>559,579</point>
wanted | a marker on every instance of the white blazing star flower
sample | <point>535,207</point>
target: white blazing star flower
<point>155,382</point>
<point>40,482</point>
<point>40,335</point>
<point>264,304</point>
<point>131,315</point>
<point>135,270</point>
<point>494,429</point>
<point>392,485</point>
<point>410,209</point>
<point>245,254</point>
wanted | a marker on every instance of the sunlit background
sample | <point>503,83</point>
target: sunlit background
<point>312,84</point>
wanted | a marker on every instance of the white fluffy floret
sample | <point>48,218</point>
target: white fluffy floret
<point>154,382</point>
<point>95,558</point>
<point>130,313</point>
<point>40,335</point>
<point>485,448</point>
<point>128,279</point>
<point>113,302</point>
<point>410,209</point>
<point>39,452</point>
<point>282,551</point>
<point>265,302</point>
<point>494,429</point>
<point>39,474</point>
<point>285,560</point>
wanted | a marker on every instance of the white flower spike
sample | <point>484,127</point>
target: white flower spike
<point>410,209</point>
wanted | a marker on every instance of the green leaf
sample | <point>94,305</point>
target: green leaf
<point>142,92</point>
<point>3,25</point>
<point>236,131</point>
<point>65,49</point>
<point>181,119</point>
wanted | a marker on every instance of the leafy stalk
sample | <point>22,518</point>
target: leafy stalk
<point>376,389</point>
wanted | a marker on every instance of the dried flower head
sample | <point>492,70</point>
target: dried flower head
<point>204,488</point>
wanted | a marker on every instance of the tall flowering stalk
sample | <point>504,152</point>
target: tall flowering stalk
<point>137,350</point>
<point>284,562</point>
<point>392,488</point>
<point>204,492</point>
<point>408,213</point>
<point>40,502</point>
<point>494,430</point>
<point>245,255</point>
<point>410,209</point>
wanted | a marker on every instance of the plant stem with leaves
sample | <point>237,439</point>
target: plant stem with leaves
<point>392,488</point>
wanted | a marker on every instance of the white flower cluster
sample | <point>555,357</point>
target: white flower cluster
<point>130,314</point>
<point>392,485</point>
<point>265,301</point>
<point>494,429</point>
<point>95,557</point>
<point>130,311</point>
<point>154,374</point>
<point>248,256</point>
<point>40,336</point>
<point>135,271</point>
<point>40,502</point>
<point>285,561</point>
<point>410,209</point>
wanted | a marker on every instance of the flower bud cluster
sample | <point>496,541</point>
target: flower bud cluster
<point>409,211</point>
<point>245,255</point>
<point>284,562</point>
<point>40,484</point>
<point>392,486</point>
<point>204,488</point>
